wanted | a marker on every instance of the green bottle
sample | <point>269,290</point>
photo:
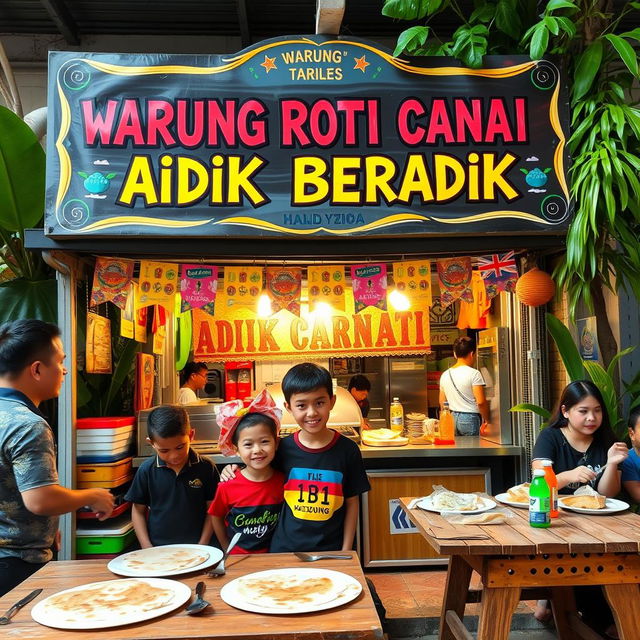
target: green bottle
<point>539,501</point>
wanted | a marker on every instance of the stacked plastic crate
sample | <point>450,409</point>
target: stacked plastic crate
<point>103,451</point>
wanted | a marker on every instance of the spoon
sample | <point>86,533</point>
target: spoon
<point>199,603</point>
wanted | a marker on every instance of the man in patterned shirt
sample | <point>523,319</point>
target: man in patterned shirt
<point>31,371</point>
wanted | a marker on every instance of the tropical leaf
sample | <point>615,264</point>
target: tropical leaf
<point>411,39</point>
<point>22,298</point>
<point>22,170</point>
<point>625,51</point>
<point>587,68</point>
<point>524,407</point>
<point>566,347</point>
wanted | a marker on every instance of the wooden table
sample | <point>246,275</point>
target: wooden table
<point>357,619</point>
<point>576,550</point>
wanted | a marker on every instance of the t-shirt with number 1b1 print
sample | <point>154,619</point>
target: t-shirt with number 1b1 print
<point>317,484</point>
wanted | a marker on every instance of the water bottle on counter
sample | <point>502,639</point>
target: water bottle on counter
<point>396,415</point>
<point>539,500</point>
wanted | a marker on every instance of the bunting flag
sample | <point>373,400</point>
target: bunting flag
<point>413,278</point>
<point>242,286</point>
<point>198,287</point>
<point>499,272</point>
<point>145,369</point>
<point>326,284</point>
<point>111,279</point>
<point>454,278</point>
<point>140,316</point>
<point>158,283</point>
<point>284,287</point>
<point>369,285</point>
<point>127,315</point>
<point>98,344</point>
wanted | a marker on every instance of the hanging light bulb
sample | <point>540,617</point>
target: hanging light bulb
<point>264,305</point>
<point>399,301</point>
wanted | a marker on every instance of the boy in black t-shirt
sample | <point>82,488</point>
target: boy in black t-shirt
<point>324,472</point>
<point>175,487</point>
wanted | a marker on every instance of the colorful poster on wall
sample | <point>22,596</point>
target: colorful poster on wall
<point>98,344</point>
<point>369,286</point>
<point>140,316</point>
<point>158,283</point>
<point>269,143</point>
<point>588,338</point>
<point>127,315</point>
<point>327,284</point>
<point>413,278</point>
<point>198,287</point>
<point>454,278</point>
<point>242,287</point>
<point>111,278</point>
<point>284,287</point>
<point>145,372</point>
<point>499,272</point>
<point>239,334</point>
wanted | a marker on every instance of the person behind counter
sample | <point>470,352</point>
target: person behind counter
<point>31,371</point>
<point>359,388</point>
<point>192,378</point>
<point>174,488</point>
<point>251,504</point>
<point>462,387</point>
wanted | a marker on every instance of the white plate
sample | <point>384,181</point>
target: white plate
<point>426,504</point>
<point>351,589</point>
<point>182,593</point>
<point>118,567</point>
<point>611,506</point>
<point>504,498</point>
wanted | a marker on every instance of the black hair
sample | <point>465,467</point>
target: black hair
<point>463,346</point>
<point>573,393</point>
<point>189,369</point>
<point>634,416</point>
<point>252,420</point>
<point>23,342</point>
<point>359,382</point>
<point>304,377</point>
<point>167,422</point>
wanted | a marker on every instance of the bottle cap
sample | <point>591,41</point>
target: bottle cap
<point>538,473</point>
<point>396,399</point>
<point>546,463</point>
<point>445,405</point>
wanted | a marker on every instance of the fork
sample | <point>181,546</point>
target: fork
<point>219,569</point>
<point>312,557</point>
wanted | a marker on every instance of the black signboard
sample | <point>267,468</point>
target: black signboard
<point>304,136</point>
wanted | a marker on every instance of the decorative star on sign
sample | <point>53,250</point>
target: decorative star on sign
<point>269,63</point>
<point>361,63</point>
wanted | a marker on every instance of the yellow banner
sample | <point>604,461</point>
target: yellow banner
<point>242,287</point>
<point>234,334</point>
<point>158,283</point>
<point>413,278</point>
<point>326,284</point>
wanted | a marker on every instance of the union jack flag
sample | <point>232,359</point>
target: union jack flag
<point>499,272</point>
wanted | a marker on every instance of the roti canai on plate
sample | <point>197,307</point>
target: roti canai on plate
<point>156,559</point>
<point>287,590</point>
<point>519,493</point>
<point>107,601</point>
<point>451,501</point>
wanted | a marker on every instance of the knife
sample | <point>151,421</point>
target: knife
<point>6,618</point>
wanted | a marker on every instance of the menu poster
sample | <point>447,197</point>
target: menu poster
<point>145,369</point>
<point>198,287</point>
<point>413,278</point>
<point>326,284</point>
<point>158,283</point>
<point>369,284</point>
<point>127,315</point>
<point>159,329</point>
<point>140,316</point>
<point>98,346</point>
<point>454,278</point>
<point>284,287</point>
<point>111,279</point>
<point>242,286</point>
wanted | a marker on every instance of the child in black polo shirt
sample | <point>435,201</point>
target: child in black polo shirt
<point>175,487</point>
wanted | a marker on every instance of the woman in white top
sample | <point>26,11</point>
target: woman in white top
<point>462,387</point>
<point>192,378</point>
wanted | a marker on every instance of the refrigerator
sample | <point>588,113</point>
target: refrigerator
<point>493,363</point>
<point>404,377</point>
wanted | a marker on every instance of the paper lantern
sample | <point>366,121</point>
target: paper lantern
<point>535,288</point>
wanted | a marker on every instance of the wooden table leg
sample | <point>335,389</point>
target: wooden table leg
<point>455,593</point>
<point>498,605</point>
<point>563,605</point>
<point>625,604</point>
